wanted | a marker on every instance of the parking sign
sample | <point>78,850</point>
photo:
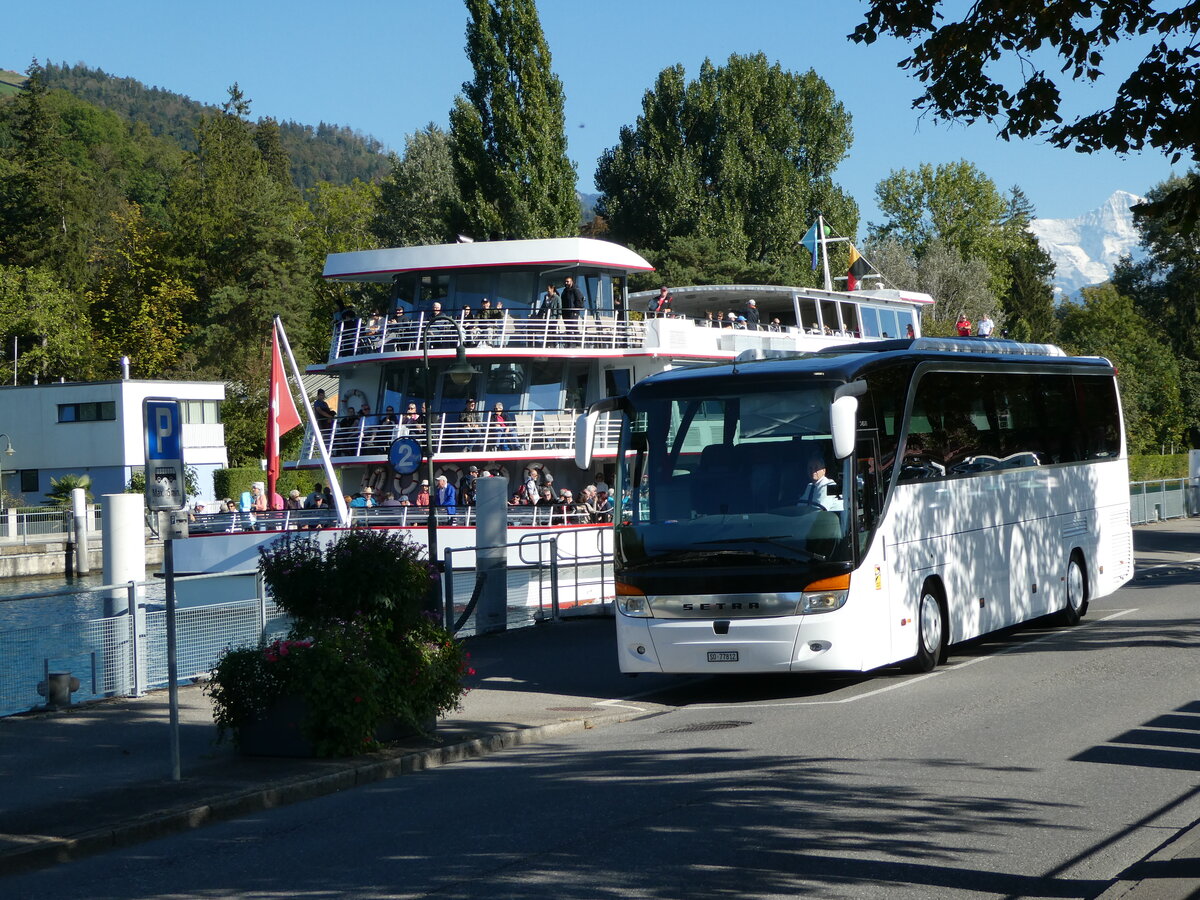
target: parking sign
<point>164,454</point>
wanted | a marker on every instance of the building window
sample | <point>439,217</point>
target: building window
<point>200,412</point>
<point>104,411</point>
<point>29,481</point>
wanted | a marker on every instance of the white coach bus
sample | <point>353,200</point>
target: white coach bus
<point>863,506</point>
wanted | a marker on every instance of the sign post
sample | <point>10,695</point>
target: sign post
<point>166,493</point>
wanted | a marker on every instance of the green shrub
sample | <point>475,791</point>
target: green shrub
<point>360,654</point>
<point>233,482</point>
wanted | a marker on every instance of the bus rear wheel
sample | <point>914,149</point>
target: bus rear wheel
<point>1077,599</point>
<point>931,630</point>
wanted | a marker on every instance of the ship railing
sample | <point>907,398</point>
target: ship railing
<point>521,431</point>
<point>377,517</point>
<point>361,337</point>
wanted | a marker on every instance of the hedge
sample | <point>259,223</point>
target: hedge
<point>232,482</point>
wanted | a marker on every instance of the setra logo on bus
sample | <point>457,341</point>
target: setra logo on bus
<point>720,605</point>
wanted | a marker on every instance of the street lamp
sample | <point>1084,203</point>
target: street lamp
<point>8,451</point>
<point>460,372</point>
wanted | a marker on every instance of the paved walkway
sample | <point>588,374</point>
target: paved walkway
<point>95,777</point>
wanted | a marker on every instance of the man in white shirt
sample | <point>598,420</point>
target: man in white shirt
<point>985,326</point>
<point>817,491</point>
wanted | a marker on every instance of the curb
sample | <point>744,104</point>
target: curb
<point>45,850</point>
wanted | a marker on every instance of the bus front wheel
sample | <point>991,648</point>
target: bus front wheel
<point>931,630</point>
<point>1076,584</point>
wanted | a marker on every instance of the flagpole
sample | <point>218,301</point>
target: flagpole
<point>824,252</point>
<point>339,500</point>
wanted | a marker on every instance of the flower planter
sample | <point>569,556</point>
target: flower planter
<point>280,731</point>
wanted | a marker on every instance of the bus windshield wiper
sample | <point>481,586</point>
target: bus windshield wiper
<point>774,540</point>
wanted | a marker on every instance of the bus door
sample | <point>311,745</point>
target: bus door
<point>873,588</point>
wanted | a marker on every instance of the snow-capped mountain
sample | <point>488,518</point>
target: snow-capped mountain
<point>1085,249</point>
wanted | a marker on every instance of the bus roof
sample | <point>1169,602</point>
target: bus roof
<point>847,362</point>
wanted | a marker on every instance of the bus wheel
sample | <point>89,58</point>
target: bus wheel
<point>1076,592</point>
<point>931,630</point>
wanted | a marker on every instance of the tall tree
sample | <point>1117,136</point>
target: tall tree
<point>1107,324</point>
<point>1027,301</point>
<point>238,235</point>
<point>419,197</point>
<point>507,134</point>
<point>1166,285</point>
<point>1156,104</point>
<point>339,220</point>
<point>744,156</point>
<point>48,323</point>
<point>42,195</point>
<point>138,307</point>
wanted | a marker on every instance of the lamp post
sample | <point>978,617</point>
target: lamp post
<point>460,372</point>
<point>8,451</point>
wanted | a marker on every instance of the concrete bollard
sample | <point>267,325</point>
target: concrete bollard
<point>491,554</point>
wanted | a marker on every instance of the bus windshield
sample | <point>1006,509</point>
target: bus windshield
<point>748,474</point>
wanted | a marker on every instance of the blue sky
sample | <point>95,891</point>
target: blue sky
<point>389,68</point>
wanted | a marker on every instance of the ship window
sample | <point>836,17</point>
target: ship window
<point>516,291</point>
<point>808,315</point>
<point>829,316</point>
<point>850,318</point>
<point>545,385</point>
<point>470,288</point>
<point>404,291</point>
<point>888,326</point>
<point>870,321</point>
<point>434,287</point>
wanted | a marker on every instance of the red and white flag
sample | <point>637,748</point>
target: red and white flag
<point>282,416</point>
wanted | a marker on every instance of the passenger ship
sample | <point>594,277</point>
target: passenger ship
<point>539,369</point>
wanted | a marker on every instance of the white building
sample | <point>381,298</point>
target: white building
<point>95,428</point>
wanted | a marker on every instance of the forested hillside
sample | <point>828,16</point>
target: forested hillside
<point>332,153</point>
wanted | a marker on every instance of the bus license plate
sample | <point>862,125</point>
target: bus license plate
<point>722,656</point>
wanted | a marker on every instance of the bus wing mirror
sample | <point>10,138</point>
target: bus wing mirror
<point>585,434</point>
<point>843,421</point>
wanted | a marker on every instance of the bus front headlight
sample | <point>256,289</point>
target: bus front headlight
<point>822,601</point>
<point>634,606</point>
<point>632,602</point>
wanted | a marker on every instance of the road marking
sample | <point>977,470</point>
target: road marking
<point>953,667</point>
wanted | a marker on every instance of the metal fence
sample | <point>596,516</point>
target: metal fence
<point>550,575</point>
<point>88,635</point>
<point>77,634</point>
<point>1168,498</point>
<point>35,524</point>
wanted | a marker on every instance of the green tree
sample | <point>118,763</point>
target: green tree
<point>238,237</point>
<point>1107,324</point>
<point>42,195</point>
<point>506,129</point>
<point>957,59</point>
<point>1165,286</point>
<point>419,197</point>
<point>339,220</point>
<point>743,156</point>
<point>953,203</point>
<point>49,324</point>
<point>1027,302</point>
<point>957,285</point>
<point>139,306</point>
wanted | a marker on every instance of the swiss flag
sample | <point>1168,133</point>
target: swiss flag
<point>282,416</point>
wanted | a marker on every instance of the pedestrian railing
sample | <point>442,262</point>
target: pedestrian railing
<point>37,524</point>
<point>1167,498</point>
<point>90,640</point>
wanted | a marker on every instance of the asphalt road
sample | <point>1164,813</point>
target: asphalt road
<point>1040,763</point>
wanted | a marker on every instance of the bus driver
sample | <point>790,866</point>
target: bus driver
<point>821,491</point>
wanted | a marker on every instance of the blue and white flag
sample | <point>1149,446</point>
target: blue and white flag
<point>810,241</point>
